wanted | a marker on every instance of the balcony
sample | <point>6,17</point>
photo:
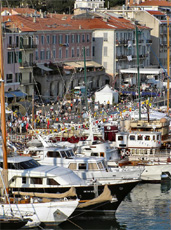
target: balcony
<point>121,42</point>
<point>28,47</point>
<point>121,57</point>
<point>142,56</point>
<point>149,41</point>
<point>26,64</point>
<point>12,46</point>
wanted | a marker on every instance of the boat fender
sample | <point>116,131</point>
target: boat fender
<point>122,153</point>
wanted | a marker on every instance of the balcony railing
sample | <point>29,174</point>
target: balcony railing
<point>26,64</point>
<point>148,41</point>
<point>12,46</point>
<point>30,46</point>
<point>121,57</point>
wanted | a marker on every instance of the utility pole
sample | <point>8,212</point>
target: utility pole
<point>168,65</point>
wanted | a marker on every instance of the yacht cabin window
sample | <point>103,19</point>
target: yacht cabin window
<point>36,180</point>
<point>94,154</point>
<point>100,165</point>
<point>87,148</point>
<point>147,138</point>
<point>120,138</point>
<point>55,154</point>
<point>69,153</point>
<point>63,154</point>
<point>92,166</point>
<point>52,182</point>
<point>81,166</point>
<point>73,166</point>
<point>132,137</point>
<point>23,180</point>
<point>139,137</point>
<point>102,154</point>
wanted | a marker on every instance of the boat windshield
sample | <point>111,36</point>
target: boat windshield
<point>24,165</point>
<point>27,164</point>
<point>69,153</point>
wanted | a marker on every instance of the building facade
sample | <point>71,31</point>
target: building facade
<point>42,54</point>
<point>89,4</point>
<point>115,48</point>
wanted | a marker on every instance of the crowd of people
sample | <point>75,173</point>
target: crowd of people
<point>63,111</point>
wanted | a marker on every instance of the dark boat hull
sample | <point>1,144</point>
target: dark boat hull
<point>118,191</point>
<point>12,223</point>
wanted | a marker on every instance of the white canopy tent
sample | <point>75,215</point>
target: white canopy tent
<point>105,95</point>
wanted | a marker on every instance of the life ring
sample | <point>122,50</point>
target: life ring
<point>127,153</point>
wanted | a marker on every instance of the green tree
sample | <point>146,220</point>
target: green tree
<point>113,3</point>
<point>60,6</point>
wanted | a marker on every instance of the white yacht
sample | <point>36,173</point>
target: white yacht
<point>138,142</point>
<point>26,174</point>
<point>88,168</point>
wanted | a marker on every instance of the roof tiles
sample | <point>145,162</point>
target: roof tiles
<point>153,3</point>
<point>62,22</point>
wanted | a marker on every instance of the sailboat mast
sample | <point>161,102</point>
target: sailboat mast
<point>33,109</point>
<point>3,119</point>
<point>168,64</point>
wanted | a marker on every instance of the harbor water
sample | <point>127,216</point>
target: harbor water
<point>147,207</point>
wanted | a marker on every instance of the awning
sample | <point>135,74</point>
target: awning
<point>143,70</point>
<point>16,93</point>
<point>80,64</point>
<point>143,93</point>
<point>9,95</point>
<point>41,66</point>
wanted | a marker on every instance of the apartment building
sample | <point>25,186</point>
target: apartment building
<point>52,49</point>
<point>157,21</point>
<point>49,57</point>
<point>115,47</point>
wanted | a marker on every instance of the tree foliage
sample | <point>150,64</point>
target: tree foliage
<point>58,6</point>
<point>113,3</point>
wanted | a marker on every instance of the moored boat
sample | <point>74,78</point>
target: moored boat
<point>8,222</point>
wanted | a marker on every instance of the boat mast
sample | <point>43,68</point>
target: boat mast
<point>168,63</point>
<point>33,109</point>
<point>3,120</point>
<point>85,79</point>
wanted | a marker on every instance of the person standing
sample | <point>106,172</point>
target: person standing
<point>108,103</point>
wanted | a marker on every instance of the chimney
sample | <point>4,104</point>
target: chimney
<point>34,19</point>
<point>80,27</point>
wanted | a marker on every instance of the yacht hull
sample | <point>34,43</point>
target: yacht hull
<point>48,213</point>
<point>118,190</point>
